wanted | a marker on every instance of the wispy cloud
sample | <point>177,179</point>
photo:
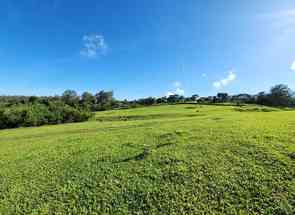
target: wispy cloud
<point>283,17</point>
<point>293,66</point>
<point>204,75</point>
<point>93,45</point>
<point>225,81</point>
<point>177,91</point>
<point>177,84</point>
<point>284,21</point>
<point>282,14</point>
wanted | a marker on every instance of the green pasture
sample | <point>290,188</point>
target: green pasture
<point>173,159</point>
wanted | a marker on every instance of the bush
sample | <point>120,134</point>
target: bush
<point>40,114</point>
<point>12,117</point>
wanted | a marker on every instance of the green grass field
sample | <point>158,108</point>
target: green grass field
<point>177,159</point>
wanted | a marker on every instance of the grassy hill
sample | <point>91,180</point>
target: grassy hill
<point>177,159</point>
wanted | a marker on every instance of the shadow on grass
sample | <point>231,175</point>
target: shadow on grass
<point>256,109</point>
<point>146,152</point>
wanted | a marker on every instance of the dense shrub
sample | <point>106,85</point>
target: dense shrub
<point>37,114</point>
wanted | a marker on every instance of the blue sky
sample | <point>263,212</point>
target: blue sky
<point>146,48</point>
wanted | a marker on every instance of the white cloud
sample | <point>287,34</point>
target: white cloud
<point>217,84</point>
<point>293,66</point>
<point>169,93</point>
<point>177,91</point>
<point>226,81</point>
<point>93,45</point>
<point>177,84</point>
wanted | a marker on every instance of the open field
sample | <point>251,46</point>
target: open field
<point>177,159</point>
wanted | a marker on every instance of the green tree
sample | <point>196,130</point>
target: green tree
<point>281,95</point>
<point>70,97</point>
<point>104,100</point>
<point>222,97</point>
<point>87,101</point>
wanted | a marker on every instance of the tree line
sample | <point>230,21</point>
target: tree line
<point>22,111</point>
<point>278,96</point>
